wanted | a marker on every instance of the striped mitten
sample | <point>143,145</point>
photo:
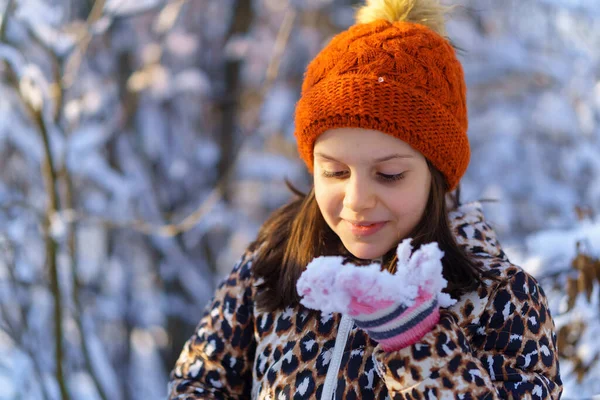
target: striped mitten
<point>396,310</point>
<point>393,324</point>
<point>377,305</point>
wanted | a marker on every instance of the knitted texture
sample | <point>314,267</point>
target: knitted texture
<point>393,324</point>
<point>400,78</point>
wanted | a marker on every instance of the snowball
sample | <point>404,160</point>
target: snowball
<point>328,284</point>
<point>316,284</point>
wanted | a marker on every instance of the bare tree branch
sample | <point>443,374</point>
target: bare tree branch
<point>71,69</point>
<point>216,194</point>
<point>173,229</point>
<point>52,249</point>
<point>72,246</point>
<point>49,173</point>
<point>280,43</point>
<point>4,19</point>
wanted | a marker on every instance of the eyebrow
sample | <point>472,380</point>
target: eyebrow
<point>377,160</point>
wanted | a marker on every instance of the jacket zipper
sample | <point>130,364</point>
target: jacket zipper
<point>336,359</point>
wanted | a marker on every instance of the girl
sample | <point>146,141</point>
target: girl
<point>382,125</point>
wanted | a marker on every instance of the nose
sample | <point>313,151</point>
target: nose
<point>359,195</point>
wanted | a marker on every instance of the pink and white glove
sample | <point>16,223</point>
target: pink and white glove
<point>395,310</point>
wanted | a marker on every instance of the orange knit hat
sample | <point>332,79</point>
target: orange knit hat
<point>398,77</point>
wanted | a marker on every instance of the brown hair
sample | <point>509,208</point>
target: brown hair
<point>297,232</point>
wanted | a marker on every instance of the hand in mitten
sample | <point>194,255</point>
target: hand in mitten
<point>395,310</point>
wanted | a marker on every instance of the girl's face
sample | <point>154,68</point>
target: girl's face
<point>371,188</point>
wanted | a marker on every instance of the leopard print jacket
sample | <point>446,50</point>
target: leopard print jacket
<point>495,343</point>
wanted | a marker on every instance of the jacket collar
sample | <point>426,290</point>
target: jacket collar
<point>472,231</point>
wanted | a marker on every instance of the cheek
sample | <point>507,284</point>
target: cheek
<point>328,199</point>
<point>408,204</point>
<point>321,195</point>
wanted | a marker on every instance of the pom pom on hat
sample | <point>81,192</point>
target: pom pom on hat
<point>425,12</point>
<point>420,100</point>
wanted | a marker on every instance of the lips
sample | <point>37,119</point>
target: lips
<point>365,228</point>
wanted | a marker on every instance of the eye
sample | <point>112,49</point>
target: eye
<point>337,174</point>
<point>391,178</point>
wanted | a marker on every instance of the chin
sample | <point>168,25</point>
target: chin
<point>365,251</point>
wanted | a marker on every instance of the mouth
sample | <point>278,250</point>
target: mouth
<point>365,228</point>
<point>363,223</point>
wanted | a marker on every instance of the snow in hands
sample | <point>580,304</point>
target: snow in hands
<point>329,285</point>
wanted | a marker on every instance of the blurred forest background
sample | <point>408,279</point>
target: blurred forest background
<point>143,142</point>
